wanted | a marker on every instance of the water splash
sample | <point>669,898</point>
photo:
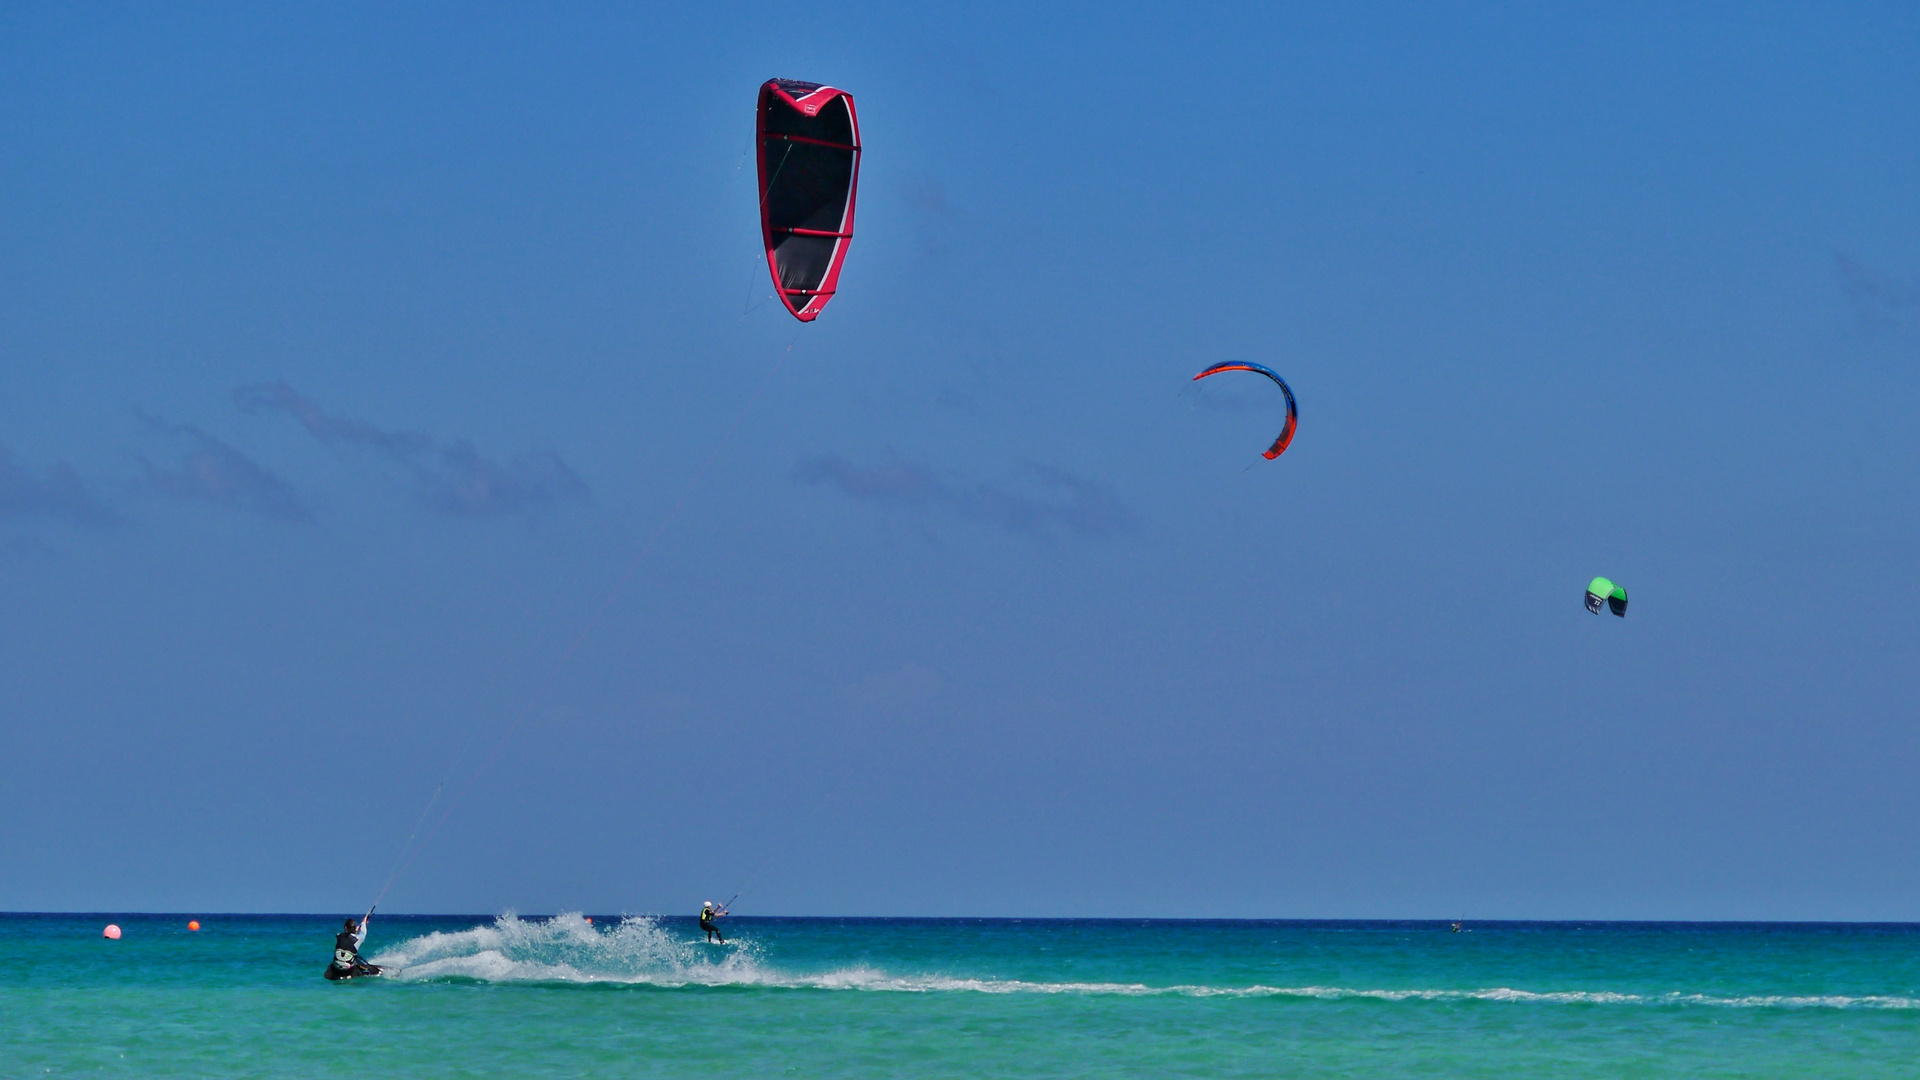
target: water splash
<point>569,949</point>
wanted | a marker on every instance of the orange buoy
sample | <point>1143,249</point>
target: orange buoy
<point>193,924</point>
<point>112,932</point>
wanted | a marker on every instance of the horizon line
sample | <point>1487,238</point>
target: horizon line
<point>1357,921</point>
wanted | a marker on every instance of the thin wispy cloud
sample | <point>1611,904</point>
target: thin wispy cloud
<point>1238,400</point>
<point>1044,500</point>
<point>334,430</point>
<point>24,546</point>
<point>55,492</point>
<point>909,684</point>
<point>213,471</point>
<point>925,194</point>
<point>452,478</point>
<point>900,485</point>
<point>461,482</point>
<point>933,212</point>
<point>1880,298</point>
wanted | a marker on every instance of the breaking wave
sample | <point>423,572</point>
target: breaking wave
<point>568,949</point>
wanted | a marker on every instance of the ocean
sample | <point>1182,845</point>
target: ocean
<point>635,996</point>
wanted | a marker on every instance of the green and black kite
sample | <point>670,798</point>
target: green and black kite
<point>1604,593</point>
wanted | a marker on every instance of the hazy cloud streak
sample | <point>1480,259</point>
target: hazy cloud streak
<point>212,471</point>
<point>1053,500</point>
<point>1879,298</point>
<point>279,397</point>
<point>452,478</point>
<point>59,493</point>
<point>909,684</point>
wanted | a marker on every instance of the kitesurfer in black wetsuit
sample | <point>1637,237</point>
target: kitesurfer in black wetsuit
<point>346,954</point>
<point>707,915</point>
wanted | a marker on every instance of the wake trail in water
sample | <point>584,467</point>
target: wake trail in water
<point>567,949</point>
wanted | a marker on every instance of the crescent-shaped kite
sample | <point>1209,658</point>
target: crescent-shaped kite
<point>1293,412</point>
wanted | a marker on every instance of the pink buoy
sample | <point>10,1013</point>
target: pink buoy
<point>111,931</point>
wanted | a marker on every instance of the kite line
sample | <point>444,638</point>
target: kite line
<point>593,620</point>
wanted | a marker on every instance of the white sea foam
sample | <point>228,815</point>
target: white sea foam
<point>569,949</point>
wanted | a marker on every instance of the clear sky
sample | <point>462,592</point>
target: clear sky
<point>350,358</point>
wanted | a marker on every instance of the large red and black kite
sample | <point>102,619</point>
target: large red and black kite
<point>809,143</point>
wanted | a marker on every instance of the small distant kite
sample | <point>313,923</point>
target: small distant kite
<point>808,142</point>
<point>1293,412</point>
<point>1604,593</point>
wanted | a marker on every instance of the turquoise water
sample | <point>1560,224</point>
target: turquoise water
<point>951,997</point>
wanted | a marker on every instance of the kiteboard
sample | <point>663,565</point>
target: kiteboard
<point>363,971</point>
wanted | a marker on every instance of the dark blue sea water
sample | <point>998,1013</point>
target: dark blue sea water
<point>483,996</point>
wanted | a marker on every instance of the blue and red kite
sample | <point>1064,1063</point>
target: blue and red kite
<point>1293,412</point>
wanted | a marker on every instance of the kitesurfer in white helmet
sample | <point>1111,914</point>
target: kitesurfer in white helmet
<point>708,913</point>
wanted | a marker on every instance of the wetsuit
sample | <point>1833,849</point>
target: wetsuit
<point>707,916</point>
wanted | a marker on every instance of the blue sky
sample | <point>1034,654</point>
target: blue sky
<point>350,360</point>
